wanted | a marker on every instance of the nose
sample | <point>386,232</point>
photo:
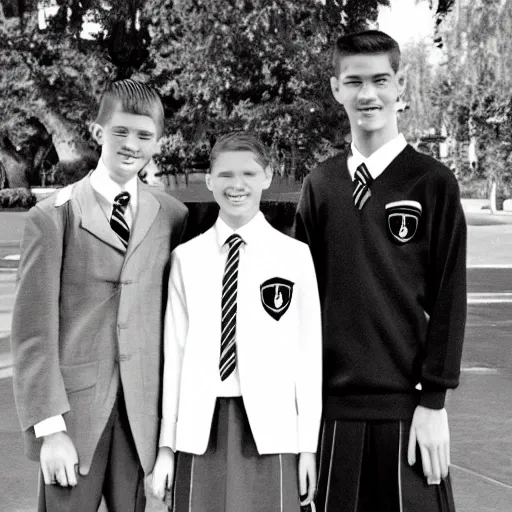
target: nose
<point>237,182</point>
<point>367,91</point>
<point>132,142</point>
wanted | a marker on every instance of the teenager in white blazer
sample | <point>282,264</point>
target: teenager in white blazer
<point>275,388</point>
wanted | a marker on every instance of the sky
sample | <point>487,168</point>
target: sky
<point>407,20</point>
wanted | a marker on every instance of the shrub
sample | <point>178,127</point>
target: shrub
<point>17,198</point>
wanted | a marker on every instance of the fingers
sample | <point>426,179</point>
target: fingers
<point>71,473</point>
<point>303,484</point>
<point>47,476</point>
<point>435,466</point>
<point>307,487</point>
<point>444,457</point>
<point>61,477</point>
<point>425,461</point>
<point>411,449</point>
<point>159,484</point>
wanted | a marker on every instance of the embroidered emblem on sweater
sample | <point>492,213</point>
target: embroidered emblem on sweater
<point>276,296</point>
<point>403,220</point>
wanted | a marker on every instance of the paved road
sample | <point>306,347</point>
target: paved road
<point>480,410</point>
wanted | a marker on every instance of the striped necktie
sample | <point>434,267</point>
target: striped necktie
<point>227,361</point>
<point>363,180</point>
<point>117,221</point>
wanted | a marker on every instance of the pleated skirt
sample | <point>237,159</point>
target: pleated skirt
<point>363,467</point>
<point>232,476</point>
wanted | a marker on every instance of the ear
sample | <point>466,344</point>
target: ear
<point>208,181</point>
<point>400,83</point>
<point>97,133</point>
<point>269,173</point>
<point>335,88</point>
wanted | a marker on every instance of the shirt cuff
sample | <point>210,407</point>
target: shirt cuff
<point>50,426</point>
<point>168,434</point>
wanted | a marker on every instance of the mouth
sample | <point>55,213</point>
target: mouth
<point>237,198</point>
<point>369,110</point>
<point>126,158</point>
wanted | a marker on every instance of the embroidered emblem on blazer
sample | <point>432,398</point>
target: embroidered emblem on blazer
<point>403,220</point>
<point>276,296</point>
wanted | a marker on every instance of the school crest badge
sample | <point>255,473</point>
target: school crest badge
<point>276,296</point>
<point>403,220</point>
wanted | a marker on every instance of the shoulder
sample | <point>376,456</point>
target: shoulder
<point>167,201</point>
<point>431,169</point>
<point>195,247</point>
<point>327,167</point>
<point>286,243</point>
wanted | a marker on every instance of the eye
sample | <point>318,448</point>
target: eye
<point>353,82</point>
<point>120,133</point>
<point>381,81</point>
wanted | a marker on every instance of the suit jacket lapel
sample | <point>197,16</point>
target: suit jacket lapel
<point>147,211</point>
<point>92,217</point>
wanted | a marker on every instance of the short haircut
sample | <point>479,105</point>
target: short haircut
<point>132,97</point>
<point>367,42</point>
<point>241,141</point>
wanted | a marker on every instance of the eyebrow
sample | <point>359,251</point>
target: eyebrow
<point>358,77</point>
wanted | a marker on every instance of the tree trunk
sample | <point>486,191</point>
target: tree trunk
<point>472,149</point>
<point>492,195</point>
<point>69,146</point>
<point>15,167</point>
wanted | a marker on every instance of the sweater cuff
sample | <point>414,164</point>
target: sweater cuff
<point>433,399</point>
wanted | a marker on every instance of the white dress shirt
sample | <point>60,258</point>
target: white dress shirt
<point>279,360</point>
<point>106,190</point>
<point>379,160</point>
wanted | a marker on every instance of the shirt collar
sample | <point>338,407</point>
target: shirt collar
<point>102,183</point>
<point>249,232</point>
<point>377,162</point>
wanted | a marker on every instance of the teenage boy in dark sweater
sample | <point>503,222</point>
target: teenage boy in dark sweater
<point>388,237</point>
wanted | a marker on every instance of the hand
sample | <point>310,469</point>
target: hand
<point>59,460</point>
<point>307,477</point>
<point>430,430</point>
<point>162,477</point>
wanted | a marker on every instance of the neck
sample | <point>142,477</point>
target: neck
<point>369,142</point>
<point>238,221</point>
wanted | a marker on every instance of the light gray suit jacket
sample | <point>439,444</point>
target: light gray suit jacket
<point>88,315</point>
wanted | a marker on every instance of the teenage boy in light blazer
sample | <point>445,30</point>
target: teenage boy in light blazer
<point>87,323</point>
<point>242,373</point>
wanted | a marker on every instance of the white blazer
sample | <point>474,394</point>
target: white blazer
<point>279,347</point>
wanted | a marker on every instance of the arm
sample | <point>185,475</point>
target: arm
<point>304,225</point>
<point>41,398</point>
<point>308,387</point>
<point>175,333</point>
<point>441,366</point>
<point>38,385</point>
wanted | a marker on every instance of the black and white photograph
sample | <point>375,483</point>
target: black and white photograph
<point>255,256</point>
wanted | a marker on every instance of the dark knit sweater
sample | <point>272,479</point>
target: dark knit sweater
<point>393,313</point>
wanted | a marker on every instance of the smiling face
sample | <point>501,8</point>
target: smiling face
<point>237,181</point>
<point>128,141</point>
<point>368,89</point>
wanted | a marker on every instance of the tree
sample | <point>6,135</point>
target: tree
<point>251,64</point>
<point>475,84</point>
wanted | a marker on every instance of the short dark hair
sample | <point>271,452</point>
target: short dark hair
<point>241,141</point>
<point>367,42</point>
<point>133,97</point>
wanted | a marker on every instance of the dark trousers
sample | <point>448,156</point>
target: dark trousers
<point>115,473</point>
<point>363,468</point>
